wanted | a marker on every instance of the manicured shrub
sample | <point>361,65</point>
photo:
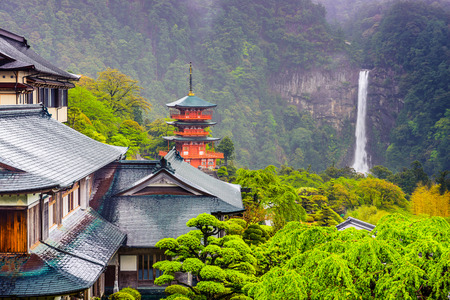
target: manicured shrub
<point>132,292</point>
<point>121,296</point>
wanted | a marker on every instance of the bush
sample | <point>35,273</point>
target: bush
<point>369,214</point>
<point>178,290</point>
<point>121,296</point>
<point>133,292</point>
<point>255,235</point>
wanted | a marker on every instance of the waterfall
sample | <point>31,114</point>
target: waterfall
<point>360,163</point>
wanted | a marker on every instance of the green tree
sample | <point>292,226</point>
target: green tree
<point>281,201</point>
<point>405,260</point>
<point>221,265</point>
<point>381,172</point>
<point>226,146</point>
<point>121,92</point>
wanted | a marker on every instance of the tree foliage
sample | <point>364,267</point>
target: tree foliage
<point>222,266</point>
<point>429,200</point>
<point>406,259</point>
<point>226,146</point>
<point>280,201</point>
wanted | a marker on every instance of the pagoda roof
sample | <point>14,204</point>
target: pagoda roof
<point>190,138</point>
<point>181,123</point>
<point>38,152</point>
<point>16,54</point>
<point>191,102</point>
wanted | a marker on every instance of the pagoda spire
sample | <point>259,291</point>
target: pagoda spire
<point>190,80</point>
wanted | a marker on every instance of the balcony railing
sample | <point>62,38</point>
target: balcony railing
<point>193,132</point>
<point>191,117</point>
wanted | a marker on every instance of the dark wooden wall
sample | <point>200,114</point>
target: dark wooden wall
<point>34,223</point>
<point>13,231</point>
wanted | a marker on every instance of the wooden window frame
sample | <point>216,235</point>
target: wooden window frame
<point>155,257</point>
<point>69,197</point>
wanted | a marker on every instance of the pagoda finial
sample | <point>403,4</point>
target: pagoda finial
<point>190,80</point>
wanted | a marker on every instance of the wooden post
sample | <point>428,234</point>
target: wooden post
<point>116,280</point>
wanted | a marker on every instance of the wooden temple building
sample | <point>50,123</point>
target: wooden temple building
<point>27,78</point>
<point>77,220</point>
<point>193,115</point>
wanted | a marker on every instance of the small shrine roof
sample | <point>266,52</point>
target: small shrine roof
<point>355,223</point>
<point>191,102</point>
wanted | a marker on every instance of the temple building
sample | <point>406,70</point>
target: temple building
<point>27,78</point>
<point>77,220</point>
<point>151,200</point>
<point>192,116</point>
<point>52,243</point>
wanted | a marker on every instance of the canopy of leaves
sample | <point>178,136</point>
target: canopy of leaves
<point>404,259</point>
<point>281,201</point>
<point>222,265</point>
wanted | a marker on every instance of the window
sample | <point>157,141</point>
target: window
<point>55,98</point>
<point>41,95</point>
<point>145,266</point>
<point>48,98</point>
<point>64,97</point>
<point>30,98</point>
<point>71,200</point>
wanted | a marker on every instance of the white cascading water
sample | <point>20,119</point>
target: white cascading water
<point>360,163</point>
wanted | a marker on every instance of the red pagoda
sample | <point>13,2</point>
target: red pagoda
<point>192,116</point>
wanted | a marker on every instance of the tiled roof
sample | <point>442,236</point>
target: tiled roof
<point>70,260</point>
<point>49,152</point>
<point>191,102</point>
<point>148,218</point>
<point>230,193</point>
<point>11,180</point>
<point>205,123</point>
<point>191,138</point>
<point>355,223</point>
<point>20,56</point>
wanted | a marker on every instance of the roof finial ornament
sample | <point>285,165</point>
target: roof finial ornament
<point>190,80</point>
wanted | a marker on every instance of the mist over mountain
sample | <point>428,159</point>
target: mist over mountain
<point>283,73</point>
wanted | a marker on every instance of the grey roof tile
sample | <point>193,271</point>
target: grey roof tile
<point>230,193</point>
<point>355,223</point>
<point>70,260</point>
<point>147,219</point>
<point>191,101</point>
<point>47,150</point>
<point>24,57</point>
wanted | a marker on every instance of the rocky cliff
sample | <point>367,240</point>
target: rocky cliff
<point>385,103</point>
<point>331,95</point>
<point>328,94</point>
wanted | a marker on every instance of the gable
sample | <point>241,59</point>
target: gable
<point>162,182</point>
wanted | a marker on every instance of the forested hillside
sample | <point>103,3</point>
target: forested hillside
<point>240,48</point>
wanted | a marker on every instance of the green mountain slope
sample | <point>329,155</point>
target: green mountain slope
<point>237,49</point>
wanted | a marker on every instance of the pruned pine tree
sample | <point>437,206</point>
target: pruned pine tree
<point>222,266</point>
